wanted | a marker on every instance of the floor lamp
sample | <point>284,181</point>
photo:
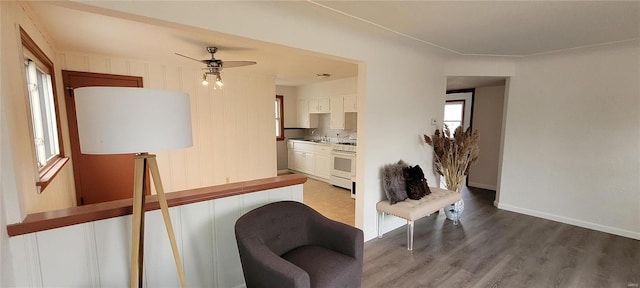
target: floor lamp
<point>123,120</point>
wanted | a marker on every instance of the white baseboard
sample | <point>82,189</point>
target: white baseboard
<point>571,221</point>
<point>483,186</point>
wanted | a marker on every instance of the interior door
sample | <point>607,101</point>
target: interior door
<point>98,178</point>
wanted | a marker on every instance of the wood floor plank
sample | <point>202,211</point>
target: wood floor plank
<point>496,248</point>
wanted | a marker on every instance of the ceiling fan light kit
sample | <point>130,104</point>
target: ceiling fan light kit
<point>219,80</point>
<point>214,66</point>
<point>204,79</point>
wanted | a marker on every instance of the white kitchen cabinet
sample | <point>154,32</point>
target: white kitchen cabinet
<point>290,156</point>
<point>351,103</point>
<point>337,112</point>
<point>322,166</point>
<point>322,162</point>
<point>305,119</point>
<point>310,158</point>
<point>303,157</point>
<point>319,105</point>
<point>303,161</point>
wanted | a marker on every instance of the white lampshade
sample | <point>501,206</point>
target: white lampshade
<point>117,120</point>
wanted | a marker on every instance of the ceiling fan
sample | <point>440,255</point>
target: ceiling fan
<point>214,66</point>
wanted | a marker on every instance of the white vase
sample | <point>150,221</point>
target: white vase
<point>454,211</point>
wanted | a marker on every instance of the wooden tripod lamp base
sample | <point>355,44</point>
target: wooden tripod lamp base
<point>143,162</point>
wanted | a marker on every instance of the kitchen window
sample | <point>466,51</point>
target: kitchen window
<point>279,109</point>
<point>45,123</point>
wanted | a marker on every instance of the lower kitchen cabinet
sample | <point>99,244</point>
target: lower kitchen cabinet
<point>303,161</point>
<point>310,158</point>
<point>322,166</point>
<point>290,157</point>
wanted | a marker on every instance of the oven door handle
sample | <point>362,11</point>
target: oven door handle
<point>343,153</point>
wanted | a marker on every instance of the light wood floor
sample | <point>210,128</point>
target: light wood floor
<point>332,202</point>
<point>497,248</point>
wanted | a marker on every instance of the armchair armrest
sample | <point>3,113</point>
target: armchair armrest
<point>338,237</point>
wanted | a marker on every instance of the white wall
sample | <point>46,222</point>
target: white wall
<point>233,138</point>
<point>487,118</point>
<point>336,87</point>
<point>394,107</point>
<point>572,139</point>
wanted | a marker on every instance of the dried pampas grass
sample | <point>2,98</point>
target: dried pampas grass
<point>454,155</point>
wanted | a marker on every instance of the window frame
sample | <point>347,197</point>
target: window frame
<point>455,102</point>
<point>47,173</point>
<point>280,99</point>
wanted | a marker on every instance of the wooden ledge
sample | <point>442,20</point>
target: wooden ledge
<point>83,214</point>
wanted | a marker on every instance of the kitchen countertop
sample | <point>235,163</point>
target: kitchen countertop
<point>311,142</point>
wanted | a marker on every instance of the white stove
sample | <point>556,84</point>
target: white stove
<point>343,164</point>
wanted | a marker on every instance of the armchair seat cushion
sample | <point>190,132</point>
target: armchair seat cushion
<point>326,268</point>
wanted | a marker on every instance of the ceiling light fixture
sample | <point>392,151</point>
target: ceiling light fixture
<point>204,79</point>
<point>219,80</point>
<point>216,73</point>
<point>214,66</point>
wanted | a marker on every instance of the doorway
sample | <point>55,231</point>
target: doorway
<point>98,178</point>
<point>488,95</point>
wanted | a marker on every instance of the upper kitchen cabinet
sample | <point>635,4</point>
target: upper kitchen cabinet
<point>337,112</point>
<point>319,105</point>
<point>305,120</point>
<point>351,103</point>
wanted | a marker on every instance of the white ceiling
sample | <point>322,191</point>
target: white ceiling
<point>505,28</point>
<point>74,30</point>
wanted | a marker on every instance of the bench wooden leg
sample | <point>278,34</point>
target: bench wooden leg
<point>409,235</point>
<point>380,223</point>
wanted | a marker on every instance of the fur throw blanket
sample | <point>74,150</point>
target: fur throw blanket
<point>393,182</point>
<point>415,182</point>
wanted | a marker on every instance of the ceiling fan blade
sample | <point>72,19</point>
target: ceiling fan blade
<point>194,59</point>
<point>231,64</point>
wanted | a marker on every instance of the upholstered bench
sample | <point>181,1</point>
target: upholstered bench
<point>412,210</point>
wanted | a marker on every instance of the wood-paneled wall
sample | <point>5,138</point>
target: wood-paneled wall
<point>233,127</point>
<point>97,254</point>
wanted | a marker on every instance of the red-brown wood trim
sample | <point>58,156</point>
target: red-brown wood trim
<point>70,104</point>
<point>94,212</point>
<point>281,138</point>
<point>47,175</point>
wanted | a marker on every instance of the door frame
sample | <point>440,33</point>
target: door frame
<point>73,134</point>
<point>468,107</point>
